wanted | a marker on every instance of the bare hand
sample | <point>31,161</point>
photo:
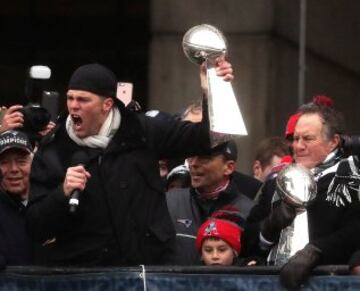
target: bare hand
<point>224,69</point>
<point>75,178</point>
<point>48,127</point>
<point>12,119</point>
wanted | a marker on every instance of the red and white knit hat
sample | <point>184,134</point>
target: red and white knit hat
<point>321,100</point>
<point>220,228</point>
<point>290,126</point>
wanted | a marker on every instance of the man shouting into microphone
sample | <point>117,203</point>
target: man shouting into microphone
<point>121,217</point>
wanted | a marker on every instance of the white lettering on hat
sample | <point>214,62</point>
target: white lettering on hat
<point>12,138</point>
<point>9,140</point>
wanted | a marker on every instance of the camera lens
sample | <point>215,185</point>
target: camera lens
<point>35,118</point>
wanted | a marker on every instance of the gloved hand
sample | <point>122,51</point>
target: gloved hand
<point>298,268</point>
<point>281,216</point>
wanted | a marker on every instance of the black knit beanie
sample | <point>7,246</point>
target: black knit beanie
<point>94,78</point>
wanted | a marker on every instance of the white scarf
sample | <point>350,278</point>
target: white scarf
<point>102,139</point>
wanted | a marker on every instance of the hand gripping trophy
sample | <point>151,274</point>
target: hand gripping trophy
<point>296,186</point>
<point>205,43</point>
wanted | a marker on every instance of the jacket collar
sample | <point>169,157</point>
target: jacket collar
<point>329,163</point>
<point>15,203</point>
<point>130,134</point>
<point>228,194</point>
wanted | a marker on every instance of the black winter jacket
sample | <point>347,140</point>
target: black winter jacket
<point>15,245</point>
<point>122,217</point>
<point>333,217</point>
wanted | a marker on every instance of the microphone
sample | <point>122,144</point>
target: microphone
<point>78,158</point>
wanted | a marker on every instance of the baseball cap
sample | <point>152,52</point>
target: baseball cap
<point>15,139</point>
<point>228,149</point>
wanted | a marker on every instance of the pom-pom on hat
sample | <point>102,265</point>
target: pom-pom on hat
<point>222,229</point>
<point>94,78</point>
<point>323,100</point>
<point>320,100</point>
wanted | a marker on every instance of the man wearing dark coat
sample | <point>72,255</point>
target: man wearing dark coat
<point>110,154</point>
<point>15,163</point>
<point>213,193</point>
<point>333,216</point>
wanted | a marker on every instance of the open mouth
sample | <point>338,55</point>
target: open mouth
<point>76,120</point>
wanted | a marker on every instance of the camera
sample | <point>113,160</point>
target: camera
<point>43,105</point>
<point>350,144</point>
<point>35,118</point>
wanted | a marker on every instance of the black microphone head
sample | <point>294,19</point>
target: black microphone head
<point>79,158</point>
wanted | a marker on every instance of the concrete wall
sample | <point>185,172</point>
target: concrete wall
<point>333,46</point>
<point>322,77</point>
<point>262,38</point>
<point>174,81</point>
<point>237,16</point>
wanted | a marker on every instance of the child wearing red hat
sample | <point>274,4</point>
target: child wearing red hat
<point>218,242</point>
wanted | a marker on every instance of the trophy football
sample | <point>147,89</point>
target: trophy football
<point>296,186</point>
<point>205,43</point>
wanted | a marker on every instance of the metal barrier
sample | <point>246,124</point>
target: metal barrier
<point>168,278</point>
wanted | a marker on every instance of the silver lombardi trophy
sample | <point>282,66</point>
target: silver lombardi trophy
<point>205,43</point>
<point>296,186</point>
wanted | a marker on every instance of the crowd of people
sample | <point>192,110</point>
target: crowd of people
<point>107,185</point>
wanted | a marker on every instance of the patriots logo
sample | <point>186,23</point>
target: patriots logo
<point>184,221</point>
<point>211,229</point>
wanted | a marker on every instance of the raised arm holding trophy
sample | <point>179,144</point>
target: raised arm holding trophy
<point>121,218</point>
<point>205,43</point>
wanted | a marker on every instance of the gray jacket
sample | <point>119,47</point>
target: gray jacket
<point>188,212</point>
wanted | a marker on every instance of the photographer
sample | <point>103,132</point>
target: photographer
<point>42,106</point>
<point>36,127</point>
